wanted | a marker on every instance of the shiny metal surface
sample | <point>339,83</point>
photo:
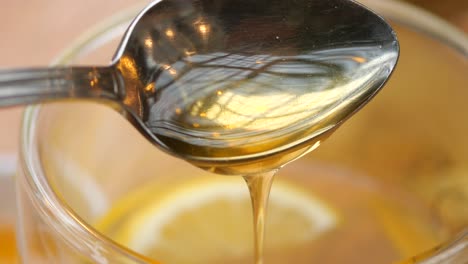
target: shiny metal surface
<point>178,52</point>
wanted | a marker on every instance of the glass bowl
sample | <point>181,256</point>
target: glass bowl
<point>390,184</point>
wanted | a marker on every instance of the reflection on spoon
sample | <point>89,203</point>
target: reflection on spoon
<point>213,102</point>
<point>264,79</point>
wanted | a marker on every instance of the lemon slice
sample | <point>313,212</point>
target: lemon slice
<point>210,220</point>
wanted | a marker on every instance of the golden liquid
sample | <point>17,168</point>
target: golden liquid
<point>375,223</point>
<point>259,188</point>
<point>393,175</point>
<point>245,113</point>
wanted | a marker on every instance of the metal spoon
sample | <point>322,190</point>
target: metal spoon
<point>228,83</point>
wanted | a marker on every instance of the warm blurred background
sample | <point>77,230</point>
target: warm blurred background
<point>33,32</point>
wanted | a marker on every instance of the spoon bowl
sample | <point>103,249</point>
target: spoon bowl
<point>230,84</point>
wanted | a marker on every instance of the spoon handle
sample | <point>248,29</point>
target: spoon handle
<point>35,85</point>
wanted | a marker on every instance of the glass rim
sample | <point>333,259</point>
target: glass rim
<point>401,12</point>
